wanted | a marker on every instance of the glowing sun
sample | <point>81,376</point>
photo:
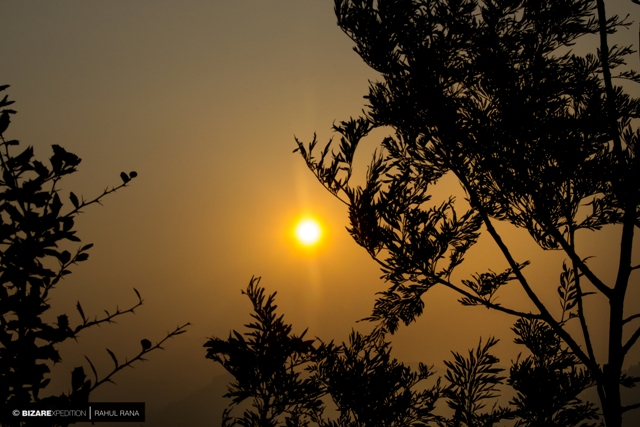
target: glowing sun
<point>308,232</point>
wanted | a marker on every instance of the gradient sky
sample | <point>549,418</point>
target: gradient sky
<point>203,98</point>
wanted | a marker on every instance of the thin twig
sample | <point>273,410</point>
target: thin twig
<point>579,296</point>
<point>630,318</point>
<point>105,192</point>
<point>599,284</point>
<point>630,407</point>
<point>631,342</point>
<point>544,313</point>
<point>179,330</point>
<point>489,304</point>
<point>109,317</point>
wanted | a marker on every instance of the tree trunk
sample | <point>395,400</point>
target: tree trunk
<point>611,406</point>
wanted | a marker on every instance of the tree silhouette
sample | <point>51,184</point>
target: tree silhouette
<point>268,368</point>
<point>372,389</point>
<point>285,376</point>
<point>549,381</point>
<point>289,380</point>
<point>536,135</point>
<point>32,264</point>
<point>474,380</point>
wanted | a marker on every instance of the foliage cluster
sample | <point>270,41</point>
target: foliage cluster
<point>537,136</point>
<point>487,91</point>
<point>33,228</point>
<point>284,380</point>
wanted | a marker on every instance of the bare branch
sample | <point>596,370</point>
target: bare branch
<point>140,357</point>
<point>630,318</point>
<point>544,313</point>
<point>97,200</point>
<point>630,407</point>
<point>579,296</point>
<point>489,304</point>
<point>583,321</point>
<point>631,342</point>
<point>599,284</point>
<point>109,317</point>
<point>473,199</point>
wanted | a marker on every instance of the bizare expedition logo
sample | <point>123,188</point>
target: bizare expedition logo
<point>93,412</point>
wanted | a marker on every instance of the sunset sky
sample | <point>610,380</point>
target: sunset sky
<point>202,98</point>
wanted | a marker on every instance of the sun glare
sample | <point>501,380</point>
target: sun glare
<point>308,232</point>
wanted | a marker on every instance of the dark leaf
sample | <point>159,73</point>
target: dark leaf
<point>93,368</point>
<point>78,377</point>
<point>55,206</point>
<point>63,321</point>
<point>82,257</point>
<point>79,308</point>
<point>4,121</point>
<point>64,257</point>
<point>67,223</point>
<point>113,357</point>
<point>74,200</point>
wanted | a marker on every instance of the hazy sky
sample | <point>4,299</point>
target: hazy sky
<point>202,98</point>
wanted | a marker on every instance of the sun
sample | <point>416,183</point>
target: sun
<point>308,232</point>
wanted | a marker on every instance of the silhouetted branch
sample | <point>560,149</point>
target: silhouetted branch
<point>582,318</point>
<point>78,257</point>
<point>580,297</point>
<point>109,317</point>
<point>635,405</point>
<point>32,232</point>
<point>528,133</point>
<point>599,284</point>
<point>97,200</point>
<point>630,318</point>
<point>544,313</point>
<point>326,176</point>
<point>146,348</point>
<point>631,342</point>
<point>489,304</point>
<point>606,71</point>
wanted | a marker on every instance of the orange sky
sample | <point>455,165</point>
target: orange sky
<point>202,98</point>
